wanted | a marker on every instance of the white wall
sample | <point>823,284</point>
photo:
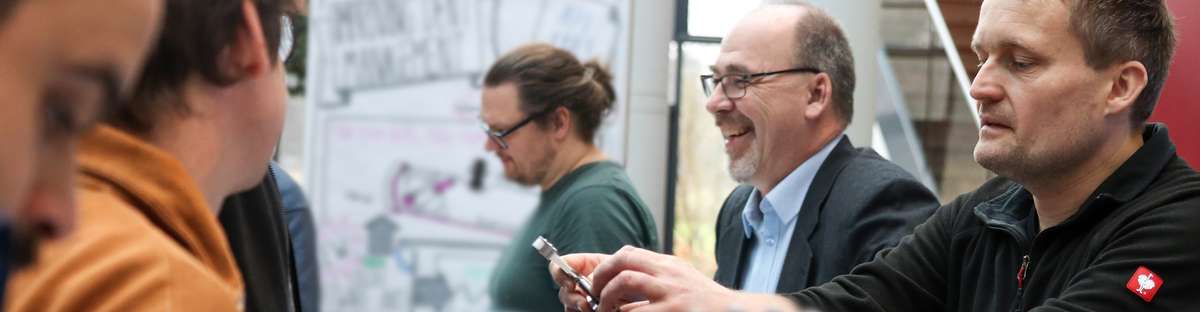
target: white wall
<point>648,112</point>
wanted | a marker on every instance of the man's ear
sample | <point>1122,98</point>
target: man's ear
<point>820,96</point>
<point>247,55</point>
<point>562,122</point>
<point>1128,83</point>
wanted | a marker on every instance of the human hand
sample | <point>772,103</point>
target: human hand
<point>640,280</point>
<point>572,296</point>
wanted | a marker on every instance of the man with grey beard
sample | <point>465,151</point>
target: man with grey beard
<point>812,206</point>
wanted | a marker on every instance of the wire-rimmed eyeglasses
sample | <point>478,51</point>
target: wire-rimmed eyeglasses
<point>736,88</point>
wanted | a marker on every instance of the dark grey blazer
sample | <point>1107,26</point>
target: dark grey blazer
<point>857,205</point>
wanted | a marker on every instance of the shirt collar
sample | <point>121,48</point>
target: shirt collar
<point>787,197</point>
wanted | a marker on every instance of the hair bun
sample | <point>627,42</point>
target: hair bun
<point>598,73</point>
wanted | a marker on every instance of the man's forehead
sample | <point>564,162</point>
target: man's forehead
<point>744,55</point>
<point>1018,23</point>
<point>499,103</point>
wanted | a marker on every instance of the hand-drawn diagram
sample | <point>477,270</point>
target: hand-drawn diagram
<point>380,44</point>
<point>395,214</point>
<point>413,212</point>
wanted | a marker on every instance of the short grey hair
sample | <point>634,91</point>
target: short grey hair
<point>821,44</point>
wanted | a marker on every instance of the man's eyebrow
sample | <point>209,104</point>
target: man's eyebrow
<point>1016,44</point>
<point>1004,44</point>
<point>729,68</point>
<point>736,68</point>
<point>106,77</point>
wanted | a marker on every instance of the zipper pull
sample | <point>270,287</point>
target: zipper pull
<point>1021,272</point>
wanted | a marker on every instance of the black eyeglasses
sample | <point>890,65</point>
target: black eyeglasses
<point>498,135</point>
<point>736,89</point>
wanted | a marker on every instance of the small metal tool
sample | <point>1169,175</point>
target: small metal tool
<point>548,251</point>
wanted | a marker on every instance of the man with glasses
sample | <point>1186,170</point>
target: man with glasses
<point>541,109</point>
<point>812,206</point>
<point>201,126</point>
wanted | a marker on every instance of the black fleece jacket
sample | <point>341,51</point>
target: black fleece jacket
<point>1132,246</point>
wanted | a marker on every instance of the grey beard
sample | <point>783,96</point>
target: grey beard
<point>743,168</point>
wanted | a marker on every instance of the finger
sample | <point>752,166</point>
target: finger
<point>584,263</point>
<point>572,299</point>
<point>562,280</point>
<point>577,308</point>
<point>634,305</point>
<point>662,306</point>
<point>629,286</point>
<point>628,258</point>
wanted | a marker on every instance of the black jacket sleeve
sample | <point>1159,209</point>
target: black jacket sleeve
<point>909,277</point>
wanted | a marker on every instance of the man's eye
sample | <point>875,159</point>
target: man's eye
<point>741,81</point>
<point>1020,64</point>
<point>58,119</point>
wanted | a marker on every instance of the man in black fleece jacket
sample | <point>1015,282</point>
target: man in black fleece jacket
<point>1093,209</point>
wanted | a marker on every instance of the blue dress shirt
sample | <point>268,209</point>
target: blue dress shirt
<point>770,220</point>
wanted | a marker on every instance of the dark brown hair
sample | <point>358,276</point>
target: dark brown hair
<point>193,36</point>
<point>1115,31</point>
<point>548,77</point>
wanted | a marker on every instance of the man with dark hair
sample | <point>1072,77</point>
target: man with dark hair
<point>56,82</point>
<point>541,108</point>
<point>812,206</point>
<point>201,127</point>
<point>1093,209</point>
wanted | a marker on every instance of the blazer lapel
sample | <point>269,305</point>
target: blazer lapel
<point>794,275</point>
<point>733,238</point>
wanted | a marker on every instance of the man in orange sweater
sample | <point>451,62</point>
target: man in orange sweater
<point>201,126</point>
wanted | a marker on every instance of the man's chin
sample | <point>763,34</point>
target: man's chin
<point>741,171</point>
<point>995,160</point>
<point>519,180</point>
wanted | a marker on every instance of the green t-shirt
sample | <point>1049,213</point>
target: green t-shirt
<point>591,209</point>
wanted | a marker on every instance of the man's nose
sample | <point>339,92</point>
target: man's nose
<point>50,203</point>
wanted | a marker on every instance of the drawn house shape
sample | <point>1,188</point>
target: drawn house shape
<point>380,231</point>
<point>434,292</point>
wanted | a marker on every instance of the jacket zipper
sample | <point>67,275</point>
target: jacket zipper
<point>1021,272</point>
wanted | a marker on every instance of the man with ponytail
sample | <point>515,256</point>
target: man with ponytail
<point>541,109</point>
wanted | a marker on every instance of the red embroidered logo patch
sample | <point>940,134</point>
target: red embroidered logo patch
<point>1144,283</point>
